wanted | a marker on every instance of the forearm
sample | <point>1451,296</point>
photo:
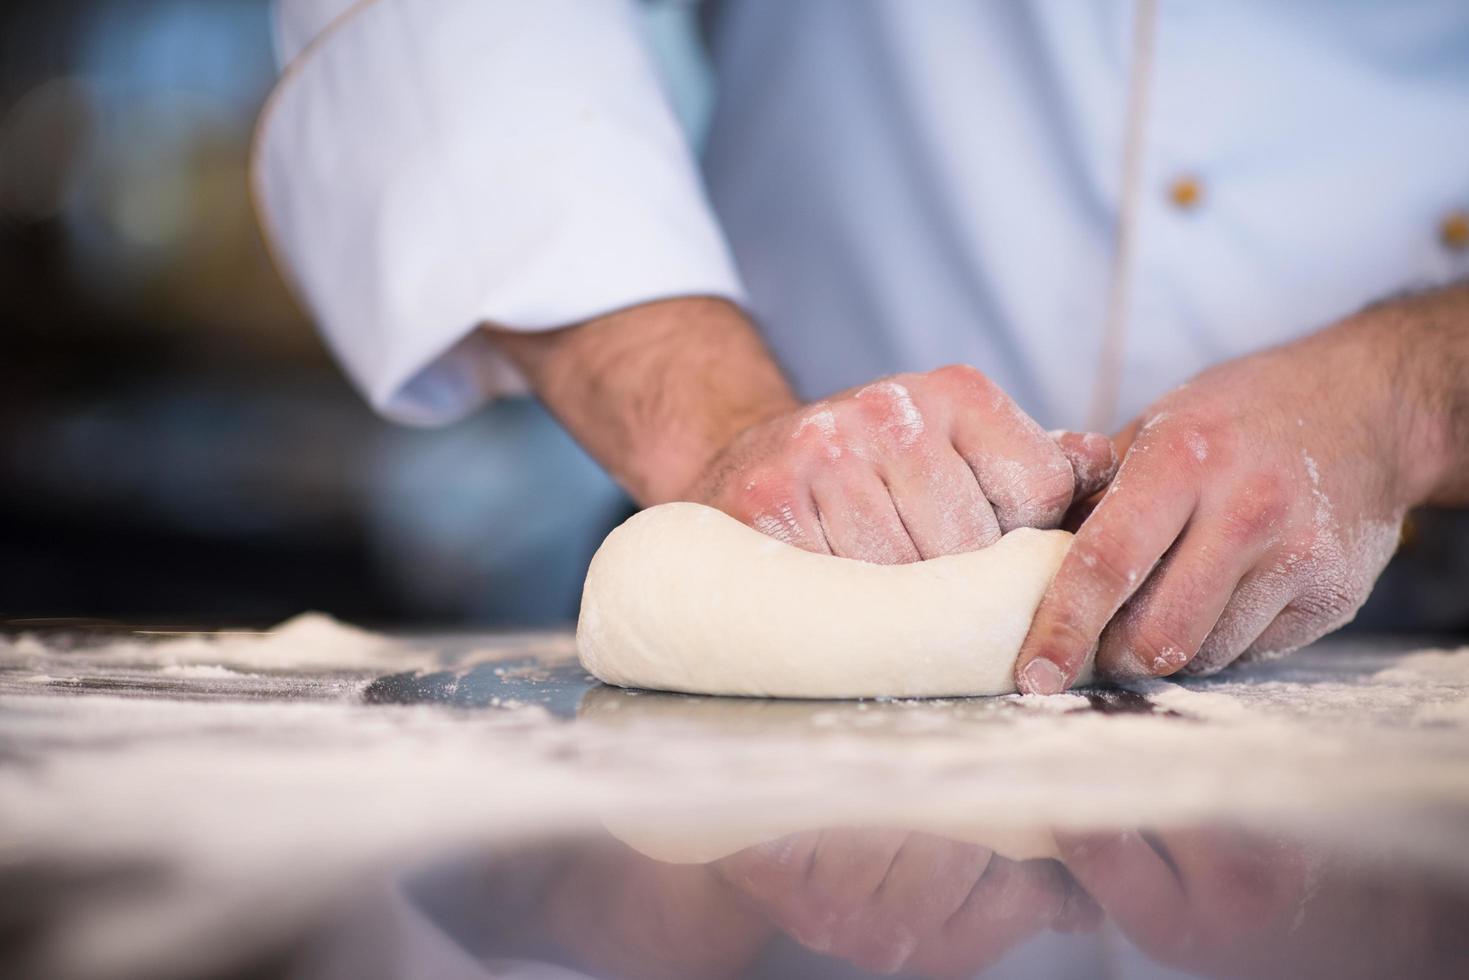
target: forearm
<point>655,391</point>
<point>1426,337</point>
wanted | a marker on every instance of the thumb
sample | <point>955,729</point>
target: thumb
<point>1092,457</point>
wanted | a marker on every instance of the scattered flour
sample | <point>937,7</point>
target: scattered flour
<point>309,642</point>
<point>903,419</point>
<point>201,671</point>
<point>1197,445</point>
<point>824,422</point>
<point>1429,668</point>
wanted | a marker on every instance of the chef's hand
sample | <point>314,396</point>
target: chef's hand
<point>681,401</point>
<point>1256,505</point>
<point>908,467</point>
<point>894,900</point>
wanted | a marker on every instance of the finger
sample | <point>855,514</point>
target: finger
<point>784,509</point>
<point>1164,624</point>
<point>940,502</point>
<point>1296,625</point>
<point>1084,503</point>
<point>1257,602</point>
<point>1137,521</point>
<point>1023,472</point>
<point>858,517</point>
<point>1126,436</point>
<point>1093,460</point>
<point>1130,880</point>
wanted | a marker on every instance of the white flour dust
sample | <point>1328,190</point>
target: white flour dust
<point>824,422</point>
<point>311,641</point>
<point>902,417</point>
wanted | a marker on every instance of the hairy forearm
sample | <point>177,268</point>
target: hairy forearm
<point>655,391</point>
<point>1427,337</point>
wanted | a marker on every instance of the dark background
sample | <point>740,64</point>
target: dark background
<point>176,447</point>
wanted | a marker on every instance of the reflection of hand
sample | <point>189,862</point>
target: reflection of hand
<point>627,916</point>
<point>889,900</point>
<point>1210,900</point>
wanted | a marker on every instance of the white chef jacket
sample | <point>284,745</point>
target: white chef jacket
<point>1074,197</point>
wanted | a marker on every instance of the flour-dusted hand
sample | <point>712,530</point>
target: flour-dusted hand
<point>1256,505</point>
<point>680,401</point>
<point>908,467</point>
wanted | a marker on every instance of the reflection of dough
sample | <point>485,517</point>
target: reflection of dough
<point>685,598</point>
<point>693,845</point>
<point>700,840</point>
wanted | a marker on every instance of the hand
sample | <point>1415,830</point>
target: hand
<point>680,401</point>
<point>908,467</point>
<point>1254,508</point>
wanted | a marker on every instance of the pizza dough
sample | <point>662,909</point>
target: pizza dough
<point>683,597</point>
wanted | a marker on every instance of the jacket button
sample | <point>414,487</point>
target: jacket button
<point>1186,193</point>
<point>1454,231</point>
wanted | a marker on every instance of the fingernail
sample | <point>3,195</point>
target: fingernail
<point>1040,676</point>
<point>1168,660</point>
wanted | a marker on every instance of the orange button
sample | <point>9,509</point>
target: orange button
<point>1186,192</point>
<point>1455,230</point>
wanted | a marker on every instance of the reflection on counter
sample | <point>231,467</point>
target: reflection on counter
<point>1204,901</point>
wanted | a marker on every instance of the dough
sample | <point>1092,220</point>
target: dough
<point>683,597</point>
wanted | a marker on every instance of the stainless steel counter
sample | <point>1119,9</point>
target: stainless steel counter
<point>329,803</point>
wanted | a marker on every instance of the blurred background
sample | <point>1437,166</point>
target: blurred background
<point>175,445</point>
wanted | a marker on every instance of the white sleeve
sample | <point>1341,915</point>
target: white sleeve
<point>426,166</point>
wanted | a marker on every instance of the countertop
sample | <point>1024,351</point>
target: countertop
<point>327,802</point>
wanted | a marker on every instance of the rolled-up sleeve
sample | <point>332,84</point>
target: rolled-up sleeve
<point>424,167</point>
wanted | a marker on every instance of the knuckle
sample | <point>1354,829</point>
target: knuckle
<point>962,374</point>
<point>1067,629</point>
<point>1042,499</point>
<point>1256,511</point>
<point>764,490</point>
<point>1108,559</point>
<point>963,382</point>
<point>818,435</point>
<point>888,415</point>
<point>1190,443</point>
<point>1327,606</point>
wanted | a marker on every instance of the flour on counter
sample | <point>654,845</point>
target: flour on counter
<point>309,642</point>
<point>201,671</point>
<point>225,775</point>
<point>1434,668</point>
